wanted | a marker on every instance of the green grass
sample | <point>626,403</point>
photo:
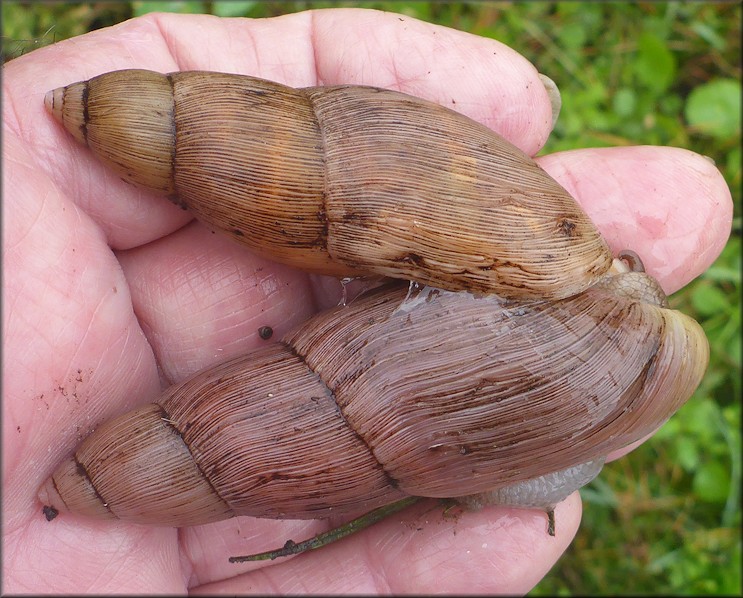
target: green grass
<point>666,519</point>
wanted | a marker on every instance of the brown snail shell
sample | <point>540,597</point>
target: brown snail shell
<point>442,394</point>
<point>342,180</point>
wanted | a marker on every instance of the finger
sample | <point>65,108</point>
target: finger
<point>477,76</point>
<point>496,550</point>
<point>201,298</point>
<point>670,205</point>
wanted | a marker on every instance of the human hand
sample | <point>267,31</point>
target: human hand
<point>111,293</point>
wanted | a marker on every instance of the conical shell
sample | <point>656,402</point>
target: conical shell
<point>442,394</point>
<point>342,180</point>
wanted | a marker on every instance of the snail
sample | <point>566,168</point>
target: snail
<point>523,356</point>
<point>442,394</point>
<point>344,180</point>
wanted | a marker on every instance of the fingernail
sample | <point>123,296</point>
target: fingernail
<point>554,96</point>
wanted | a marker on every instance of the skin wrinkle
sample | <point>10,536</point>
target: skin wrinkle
<point>195,548</point>
<point>173,43</point>
<point>116,567</point>
<point>128,339</point>
<point>397,63</point>
<point>188,567</point>
<point>435,556</point>
<point>148,324</point>
<point>31,578</point>
<point>186,277</point>
<point>567,177</point>
<point>109,570</point>
<point>520,534</point>
<point>145,205</point>
<point>32,350</point>
<point>14,556</point>
<point>359,570</point>
<point>364,571</point>
<point>432,556</point>
<point>408,536</point>
<point>371,569</point>
<point>85,335</point>
<point>186,274</point>
<point>28,576</point>
<point>274,67</point>
<point>36,218</point>
<point>13,125</point>
<point>376,566</point>
<point>312,36</point>
<point>170,44</point>
<point>149,332</point>
<point>18,320</point>
<point>692,231</point>
<point>169,562</point>
<point>155,342</point>
<point>500,560</point>
<point>519,542</point>
<point>209,51</point>
<point>257,62</point>
<point>273,589</point>
<point>610,174</point>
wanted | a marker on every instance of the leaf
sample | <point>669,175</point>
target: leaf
<point>714,108</point>
<point>233,9</point>
<point>572,35</point>
<point>712,482</point>
<point>143,7</point>
<point>709,300</point>
<point>655,65</point>
<point>624,102</point>
<point>708,34</point>
<point>687,453</point>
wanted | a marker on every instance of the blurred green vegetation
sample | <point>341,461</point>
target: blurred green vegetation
<point>666,519</point>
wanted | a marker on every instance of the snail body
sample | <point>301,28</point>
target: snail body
<point>442,394</point>
<point>343,180</point>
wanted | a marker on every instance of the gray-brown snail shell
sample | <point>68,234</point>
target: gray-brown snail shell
<point>555,363</point>
<point>441,395</point>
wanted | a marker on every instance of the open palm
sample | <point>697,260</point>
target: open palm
<point>111,294</point>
